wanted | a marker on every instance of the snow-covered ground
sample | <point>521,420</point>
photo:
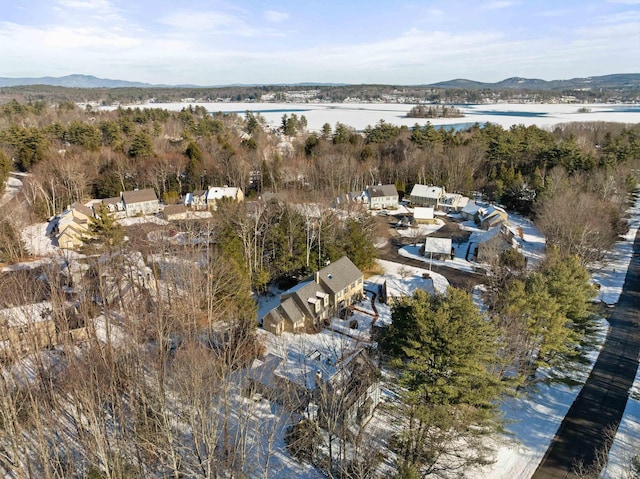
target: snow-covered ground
<point>13,186</point>
<point>360,115</point>
<point>537,417</point>
<point>626,444</point>
<point>531,245</point>
<point>611,272</point>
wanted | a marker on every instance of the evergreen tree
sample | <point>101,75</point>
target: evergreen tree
<point>104,227</point>
<point>446,357</point>
<point>5,168</point>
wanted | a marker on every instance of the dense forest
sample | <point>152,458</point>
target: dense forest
<point>452,94</point>
<point>164,396</point>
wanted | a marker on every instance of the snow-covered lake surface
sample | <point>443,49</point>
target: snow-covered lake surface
<point>360,115</point>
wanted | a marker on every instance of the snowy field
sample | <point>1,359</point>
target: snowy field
<point>360,115</point>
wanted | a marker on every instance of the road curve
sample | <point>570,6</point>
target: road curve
<point>600,405</point>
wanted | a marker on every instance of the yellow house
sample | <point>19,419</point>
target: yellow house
<point>73,226</point>
<point>27,328</point>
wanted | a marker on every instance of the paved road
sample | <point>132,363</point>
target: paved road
<point>601,402</point>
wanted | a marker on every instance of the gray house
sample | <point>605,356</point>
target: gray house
<point>140,202</point>
<point>309,303</point>
<point>382,196</point>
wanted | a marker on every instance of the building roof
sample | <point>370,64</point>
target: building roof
<point>219,192</point>
<point>291,310</point>
<point>382,190</point>
<point>455,200</point>
<point>82,209</point>
<point>423,213</point>
<point>262,370</point>
<point>175,210</point>
<point>339,274</point>
<point>471,208</point>
<point>307,296</point>
<point>487,212</point>
<point>112,201</point>
<point>26,314</point>
<point>424,191</point>
<point>437,245</point>
<point>139,196</point>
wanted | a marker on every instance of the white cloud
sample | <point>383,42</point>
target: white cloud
<point>85,4</point>
<point>208,22</point>
<point>275,16</point>
<point>626,2</point>
<point>499,4</point>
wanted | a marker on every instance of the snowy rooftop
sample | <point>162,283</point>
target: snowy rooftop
<point>424,191</point>
<point>437,245</point>
<point>26,314</point>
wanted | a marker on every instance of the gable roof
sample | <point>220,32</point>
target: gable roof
<point>112,201</point>
<point>339,274</point>
<point>382,190</point>
<point>291,311</point>
<point>139,196</point>
<point>82,209</point>
<point>471,208</point>
<point>174,210</point>
<point>307,295</point>
<point>437,245</point>
<point>424,191</point>
<point>489,211</point>
<point>423,213</point>
<point>217,192</point>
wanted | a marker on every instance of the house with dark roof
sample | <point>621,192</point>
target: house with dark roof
<point>308,304</point>
<point>140,202</point>
<point>382,196</point>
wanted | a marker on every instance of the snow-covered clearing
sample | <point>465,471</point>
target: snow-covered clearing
<point>138,220</point>
<point>420,231</point>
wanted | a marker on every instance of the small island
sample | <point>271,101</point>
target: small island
<point>434,111</point>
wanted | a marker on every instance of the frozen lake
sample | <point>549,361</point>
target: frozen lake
<point>360,115</point>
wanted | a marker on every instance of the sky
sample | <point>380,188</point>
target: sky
<point>403,42</point>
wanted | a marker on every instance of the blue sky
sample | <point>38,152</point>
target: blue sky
<point>351,41</point>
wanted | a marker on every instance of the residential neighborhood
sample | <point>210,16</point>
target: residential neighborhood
<point>201,294</point>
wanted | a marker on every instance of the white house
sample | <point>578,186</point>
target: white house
<point>422,195</point>
<point>382,196</point>
<point>207,199</point>
<point>452,202</point>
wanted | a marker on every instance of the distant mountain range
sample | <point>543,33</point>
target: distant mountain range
<point>617,81</point>
<point>621,80</point>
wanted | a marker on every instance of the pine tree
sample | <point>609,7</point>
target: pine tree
<point>445,354</point>
<point>104,227</point>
